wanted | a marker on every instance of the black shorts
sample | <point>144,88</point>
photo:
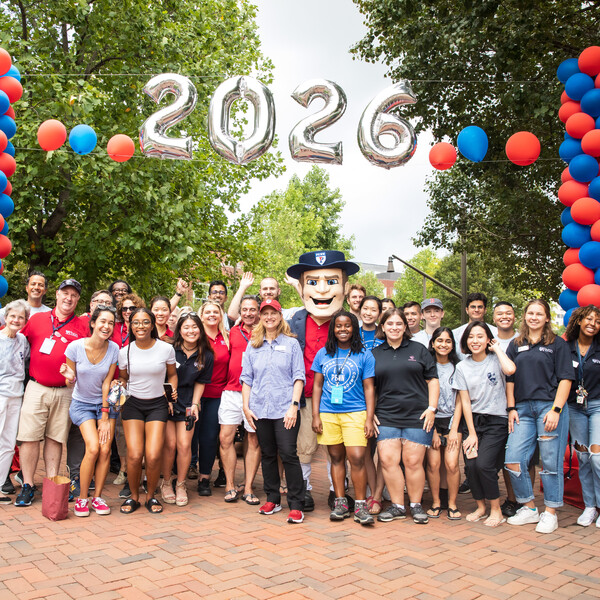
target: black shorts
<point>154,409</point>
<point>179,410</point>
<point>442,425</point>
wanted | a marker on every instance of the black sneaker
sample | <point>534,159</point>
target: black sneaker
<point>125,492</point>
<point>220,481</point>
<point>419,515</point>
<point>331,499</point>
<point>8,487</point>
<point>204,487</point>
<point>464,488</point>
<point>509,508</point>
<point>19,477</point>
<point>75,488</point>
<point>309,502</point>
<point>391,513</point>
<point>25,498</point>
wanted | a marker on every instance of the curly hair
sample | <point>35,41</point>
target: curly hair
<point>579,314</point>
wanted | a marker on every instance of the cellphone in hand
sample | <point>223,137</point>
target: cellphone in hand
<point>189,419</point>
<point>168,391</point>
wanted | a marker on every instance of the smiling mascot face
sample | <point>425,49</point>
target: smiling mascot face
<point>323,291</point>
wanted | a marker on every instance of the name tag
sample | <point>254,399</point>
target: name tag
<point>47,345</point>
<point>575,364</point>
<point>337,394</point>
<point>522,348</point>
<point>280,348</point>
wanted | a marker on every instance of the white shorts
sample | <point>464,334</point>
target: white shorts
<point>231,410</point>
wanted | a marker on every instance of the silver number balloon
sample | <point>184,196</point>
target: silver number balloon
<point>376,121</point>
<point>302,138</point>
<point>237,151</point>
<point>153,140</point>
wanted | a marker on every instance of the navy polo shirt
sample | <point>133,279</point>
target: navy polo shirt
<point>539,369</point>
<point>189,372</point>
<point>401,377</point>
<point>591,371</point>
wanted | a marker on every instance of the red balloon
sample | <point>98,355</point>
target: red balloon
<point>523,148</point>
<point>120,147</point>
<point>12,87</point>
<point>566,175</point>
<point>442,156</point>
<point>575,276</point>
<point>8,165</point>
<point>589,294</point>
<point>3,141</point>
<point>10,112</point>
<point>577,125</point>
<point>8,188</point>
<point>585,211</point>
<point>571,256</point>
<point>5,246</point>
<point>589,61</point>
<point>5,61</point>
<point>572,190</point>
<point>51,135</point>
<point>595,231</point>
<point>568,109</point>
<point>590,143</point>
<point>564,98</point>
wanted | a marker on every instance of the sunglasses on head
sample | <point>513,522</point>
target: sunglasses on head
<point>111,309</point>
<point>188,314</point>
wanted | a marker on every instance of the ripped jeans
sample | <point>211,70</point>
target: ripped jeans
<point>585,432</point>
<point>521,446</point>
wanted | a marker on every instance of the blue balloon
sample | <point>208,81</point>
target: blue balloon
<point>577,85</point>
<point>568,299</point>
<point>10,149</point>
<point>473,143</point>
<point>594,189</point>
<point>4,231</point>
<point>7,206</point>
<point>567,316</point>
<point>4,102</point>
<point>8,125</point>
<point>565,217</point>
<point>575,235</point>
<point>583,168</point>
<point>13,72</point>
<point>589,255</point>
<point>3,181</point>
<point>566,69</point>
<point>82,139</point>
<point>569,149</point>
<point>3,286</point>
<point>590,103</point>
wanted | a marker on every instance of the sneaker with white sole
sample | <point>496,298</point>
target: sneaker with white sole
<point>295,516</point>
<point>82,507</point>
<point>100,506</point>
<point>524,516</point>
<point>588,516</point>
<point>268,508</point>
<point>548,523</point>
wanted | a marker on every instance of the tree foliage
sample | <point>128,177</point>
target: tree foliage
<point>369,281</point>
<point>409,287</point>
<point>492,64</point>
<point>146,220</point>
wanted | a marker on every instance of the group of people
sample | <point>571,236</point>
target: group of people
<point>395,405</point>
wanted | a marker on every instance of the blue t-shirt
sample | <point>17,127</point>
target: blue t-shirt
<point>369,340</point>
<point>348,371</point>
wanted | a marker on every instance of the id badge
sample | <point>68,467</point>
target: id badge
<point>47,345</point>
<point>337,394</point>
<point>581,395</point>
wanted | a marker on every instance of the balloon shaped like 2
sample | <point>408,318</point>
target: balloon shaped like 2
<point>376,121</point>
<point>236,151</point>
<point>153,138</point>
<point>302,137</point>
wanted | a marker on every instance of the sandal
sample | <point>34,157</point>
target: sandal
<point>231,495</point>
<point>130,504</point>
<point>437,511</point>
<point>369,502</point>
<point>454,514</point>
<point>166,491</point>
<point>182,498</point>
<point>375,507</point>
<point>283,490</point>
<point>492,522</point>
<point>152,504</point>
<point>250,499</point>
<point>475,516</point>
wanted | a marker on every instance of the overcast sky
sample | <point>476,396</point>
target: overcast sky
<point>310,39</point>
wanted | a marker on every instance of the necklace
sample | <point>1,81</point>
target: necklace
<point>188,349</point>
<point>94,359</point>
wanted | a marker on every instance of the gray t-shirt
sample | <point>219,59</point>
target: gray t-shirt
<point>504,344</point>
<point>447,401</point>
<point>485,383</point>
<point>13,353</point>
<point>90,377</point>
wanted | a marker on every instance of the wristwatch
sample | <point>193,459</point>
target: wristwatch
<point>295,403</point>
<point>510,409</point>
<point>556,409</point>
<point>432,409</point>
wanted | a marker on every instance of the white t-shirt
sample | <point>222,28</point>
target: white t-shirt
<point>148,368</point>
<point>458,333</point>
<point>504,344</point>
<point>422,337</point>
<point>32,311</point>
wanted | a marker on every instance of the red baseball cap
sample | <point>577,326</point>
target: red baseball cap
<point>270,302</point>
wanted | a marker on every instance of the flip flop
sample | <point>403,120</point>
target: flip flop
<point>130,503</point>
<point>231,495</point>
<point>437,509</point>
<point>375,507</point>
<point>250,499</point>
<point>150,504</point>
<point>474,519</point>
<point>454,514</point>
<point>494,522</point>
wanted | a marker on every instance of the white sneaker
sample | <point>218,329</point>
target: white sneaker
<point>598,523</point>
<point>524,516</point>
<point>548,523</point>
<point>588,516</point>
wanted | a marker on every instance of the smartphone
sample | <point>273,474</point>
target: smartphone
<point>189,419</point>
<point>168,391</point>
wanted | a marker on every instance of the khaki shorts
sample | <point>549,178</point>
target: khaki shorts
<point>343,428</point>
<point>306,444</point>
<point>44,413</point>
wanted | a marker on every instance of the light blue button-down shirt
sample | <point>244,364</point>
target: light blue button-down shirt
<point>271,371</point>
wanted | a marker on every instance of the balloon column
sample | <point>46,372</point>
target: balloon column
<point>10,91</point>
<point>580,189</point>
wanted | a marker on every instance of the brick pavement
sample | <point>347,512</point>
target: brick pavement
<point>215,550</point>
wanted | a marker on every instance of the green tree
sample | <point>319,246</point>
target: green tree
<point>409,287</point>
<point>147,219</point>
<point>492,64</point>
<point>370,282</point>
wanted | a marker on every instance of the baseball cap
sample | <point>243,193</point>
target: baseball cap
<point>270,302</point>
<point>71,283</point>
<point>432,302</point>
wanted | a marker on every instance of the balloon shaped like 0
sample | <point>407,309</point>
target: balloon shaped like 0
<point>153,138</point>
<point>376,121</point>
<point>302,137</point>
<point>241,152</point>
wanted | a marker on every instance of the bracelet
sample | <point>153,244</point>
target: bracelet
<point>195,403</point>
<point>511,408</point>
<point>178,294</point>
<point>105,409</point>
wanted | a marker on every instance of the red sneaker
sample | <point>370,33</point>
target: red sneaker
<point>295,516</point>
<point>268,508</point>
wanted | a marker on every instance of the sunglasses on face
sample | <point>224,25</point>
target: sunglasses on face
<point>128,308</point>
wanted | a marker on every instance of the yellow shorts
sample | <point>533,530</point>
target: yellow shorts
<point>343,428</point>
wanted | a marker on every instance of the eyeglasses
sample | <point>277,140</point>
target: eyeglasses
<point>111,309</point>
<point>143,323</point>
<point>188,314</point>
<point>218,293</point>
<point>128,308</point>
<point>120,290</point>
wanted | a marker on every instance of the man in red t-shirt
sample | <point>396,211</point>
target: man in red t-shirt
<point>45,409</point>
<point>231,412</point>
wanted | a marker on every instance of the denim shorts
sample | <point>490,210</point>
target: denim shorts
<point>80,412</point>
<point>408,434</point>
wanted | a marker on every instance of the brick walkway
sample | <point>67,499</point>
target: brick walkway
<point>213,550</point>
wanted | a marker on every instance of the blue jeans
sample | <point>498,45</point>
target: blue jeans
<point>521,446</point>
<point>585,431</point>
<point>205,440</point>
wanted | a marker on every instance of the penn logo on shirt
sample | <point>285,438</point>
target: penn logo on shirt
<point>412,359</point>
<point>493,380</point>
<point>73,333</point>
<point>596,361</point>
<point>544,349</point>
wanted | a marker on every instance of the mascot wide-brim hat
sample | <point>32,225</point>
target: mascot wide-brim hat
<point>322,259</point>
